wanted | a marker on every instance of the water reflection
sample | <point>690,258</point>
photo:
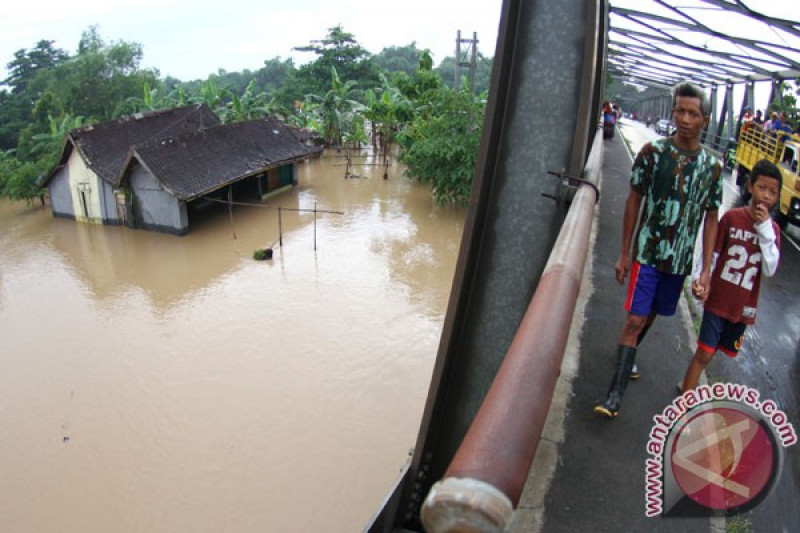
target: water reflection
<point>161,383</point>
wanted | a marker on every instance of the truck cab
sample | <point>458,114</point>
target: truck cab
<point>785,153</point>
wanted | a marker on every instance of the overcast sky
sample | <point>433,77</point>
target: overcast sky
<point>190,39</point>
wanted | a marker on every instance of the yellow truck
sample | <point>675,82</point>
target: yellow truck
<point>784,151</point>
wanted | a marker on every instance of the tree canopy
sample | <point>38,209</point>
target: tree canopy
<point>339,50</point>
<point>440,145</point>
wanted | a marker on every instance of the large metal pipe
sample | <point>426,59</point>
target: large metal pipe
<point>485,479</point>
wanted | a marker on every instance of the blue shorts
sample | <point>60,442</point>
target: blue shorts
<point>717,333</point>
<point>652,290</point>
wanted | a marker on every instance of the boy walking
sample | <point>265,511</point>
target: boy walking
<point>680,185</point>
<point>748,243</point>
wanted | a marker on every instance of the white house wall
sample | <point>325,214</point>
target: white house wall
<point>84,185</point>
<point>155,208</point>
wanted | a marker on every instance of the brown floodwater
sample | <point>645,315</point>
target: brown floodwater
<point>158,383</point>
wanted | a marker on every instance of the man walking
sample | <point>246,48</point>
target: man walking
<point>680,184</point>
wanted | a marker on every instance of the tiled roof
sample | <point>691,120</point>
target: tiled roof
<point>105,146</point>
<point>196,163</point>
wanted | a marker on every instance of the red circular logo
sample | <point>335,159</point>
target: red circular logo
<point>722,458</point>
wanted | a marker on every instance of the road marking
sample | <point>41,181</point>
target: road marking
<point>788,238</point>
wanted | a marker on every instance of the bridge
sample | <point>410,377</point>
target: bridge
<point>508,441</point>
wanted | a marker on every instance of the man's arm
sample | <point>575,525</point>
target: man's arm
<point>701,285</point>
<point>629,219</point>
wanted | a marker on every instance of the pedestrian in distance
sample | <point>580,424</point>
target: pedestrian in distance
<point>609,120</point>
<point>769,125</point>
<point>748,243</point>
<point>678,184</point>
<point>758,119</point>
<point>747,119</point>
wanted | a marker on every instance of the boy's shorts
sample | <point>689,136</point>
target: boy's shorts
<point>652,290</point>
<point>717,333</point>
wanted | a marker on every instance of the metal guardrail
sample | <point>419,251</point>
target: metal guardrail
<point>484,481</point>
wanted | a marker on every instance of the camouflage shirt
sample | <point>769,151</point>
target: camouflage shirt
<point>677,187</point>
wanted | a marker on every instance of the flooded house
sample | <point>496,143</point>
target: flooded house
<point>150,170</point>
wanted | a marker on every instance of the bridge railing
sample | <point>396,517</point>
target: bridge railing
<point>484,481</point>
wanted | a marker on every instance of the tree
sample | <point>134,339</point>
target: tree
<point>48,145</point>
<point>17,105</point>
<point>210,94</point>
<point>440,146</point>
<point>387,113</point>
<point>340,50</point>
<point>97,82</point>
<point>399,59</point>
<point>422,83</point>
<point>335,109</point>
<point>27,63</point>
<point>250,105</point>
<point>20,180</point>
<point>274,75</point>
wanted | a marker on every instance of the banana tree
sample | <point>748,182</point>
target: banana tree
<point>387,113</point>
<point>149,101</point>
<point>177,97</point>
<point>335,108</point>
<point>46,145</point>
<point>211,95</point>
<point>250,105</point>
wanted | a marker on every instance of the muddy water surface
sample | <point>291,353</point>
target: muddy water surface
<point>158,383</point>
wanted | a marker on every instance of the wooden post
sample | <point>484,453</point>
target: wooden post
<point>280,228</point>
<point>230,210</point>
<point>315,226</point>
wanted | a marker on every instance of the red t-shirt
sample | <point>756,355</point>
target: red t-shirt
<point>737,273</point>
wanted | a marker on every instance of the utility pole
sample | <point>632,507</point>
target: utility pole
<point>466,58</point>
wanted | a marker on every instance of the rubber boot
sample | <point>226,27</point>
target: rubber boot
<point>610,407</point>
<point>635,369</point>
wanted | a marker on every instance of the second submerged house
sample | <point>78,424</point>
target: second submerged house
<point>148,170</point>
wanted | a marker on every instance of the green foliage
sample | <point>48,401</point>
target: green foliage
<point>99,79</point>
<point>785,100</point>
<point>274,75</point>
<point>399,59</point>
<point>27,63</point>
<point>441,144</point>
<point>20,180</point>
<point>48,145</point>
<point>336,109</point>
<point>357,135</point>
<point>250,105</point>
<point>340,50</point>
<point>418,87</point>
<point>483,73</point>
<point>17,106</point>
<point>387,113</point>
